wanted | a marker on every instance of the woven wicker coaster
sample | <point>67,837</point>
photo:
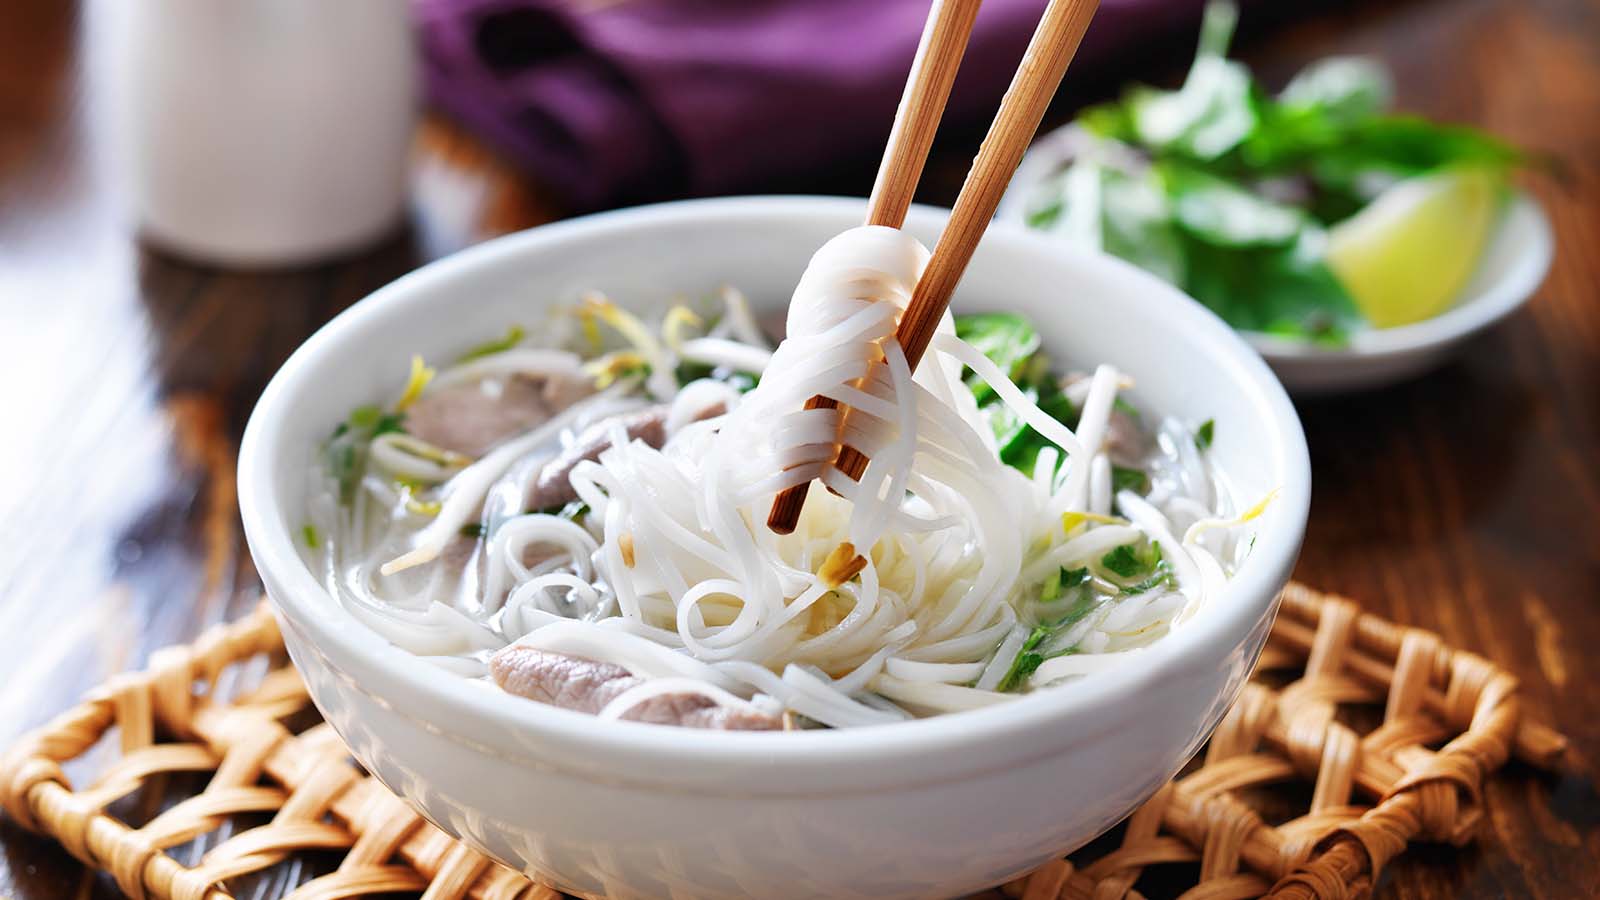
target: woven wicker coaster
<point>250,794</point>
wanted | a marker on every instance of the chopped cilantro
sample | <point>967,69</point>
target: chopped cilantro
<point>1204,434</point>
<point>347,446</point>
<point>1075,614</point>
<point>1028,660</point>
<point>364,418</point>
<point>1160,577</point>
<point>1062,579</point>
<point>473,530</point>
<point>312,538</point>
<point>1035,650</point>
<point>1129,561</point>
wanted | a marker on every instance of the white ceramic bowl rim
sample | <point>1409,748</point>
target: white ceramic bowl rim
<point>308,604</point>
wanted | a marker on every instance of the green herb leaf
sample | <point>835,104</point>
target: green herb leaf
<point>345,452</point>
<point>364,418</point>
<point>310,535</point>
<point>1131,560</point>
<point>1214,111</point>
<point>743,382</point>
<point>1007,339</point>
<point>1126,479</point>
<point>1204,434</point>
<point>1102,207</point>
<point>1022,451</point>
<point>1286,291</point>
<point>1223,214</point>
<point>1137,225</point>
<point>343,459</point>
<point>1341,89</point>
<point>1161,577</point>
<point>389,422</point>
<point>1040,645</point>
<point>1012,343</point>
<point>1022,668</point>
<point>1062,580</point>
<point>473,530</point>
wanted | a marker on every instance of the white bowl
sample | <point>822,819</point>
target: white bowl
<point>1513,266</point>
<point>934,807</point>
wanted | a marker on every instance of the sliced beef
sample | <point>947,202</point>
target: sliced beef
<point>552,489</point>
<point>569,682</point>
<point>458,552</point>
<point>586,686</point>
<point>471,418</point>
<point>697,711</point>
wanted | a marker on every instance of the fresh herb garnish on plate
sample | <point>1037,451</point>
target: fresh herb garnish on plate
<point>1253,203</point>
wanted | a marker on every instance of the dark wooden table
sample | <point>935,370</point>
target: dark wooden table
<point>1465,502</point>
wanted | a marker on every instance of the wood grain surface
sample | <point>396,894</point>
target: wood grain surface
<point>1466,501</point>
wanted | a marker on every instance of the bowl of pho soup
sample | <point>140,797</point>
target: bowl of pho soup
<point>511,513</point>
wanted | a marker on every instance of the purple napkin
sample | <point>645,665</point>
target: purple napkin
<point>611,100</point>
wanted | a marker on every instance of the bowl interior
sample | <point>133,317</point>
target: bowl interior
<point>1089,308</point>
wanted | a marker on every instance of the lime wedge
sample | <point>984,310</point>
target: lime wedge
<point>1409,253</point>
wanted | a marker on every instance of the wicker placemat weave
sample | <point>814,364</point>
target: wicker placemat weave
<point>1373,794</point>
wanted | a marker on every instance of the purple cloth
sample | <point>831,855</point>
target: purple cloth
<point>611,100</point>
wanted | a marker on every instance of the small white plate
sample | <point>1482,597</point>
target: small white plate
<point>1513,266</point>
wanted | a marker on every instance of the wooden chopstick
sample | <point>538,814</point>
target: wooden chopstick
<point>933,70</point>
<point>1054,43</point>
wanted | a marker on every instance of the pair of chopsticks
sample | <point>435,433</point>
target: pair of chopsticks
<point>944,40</point>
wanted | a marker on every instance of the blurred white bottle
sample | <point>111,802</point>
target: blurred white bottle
<point>261,132</point>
